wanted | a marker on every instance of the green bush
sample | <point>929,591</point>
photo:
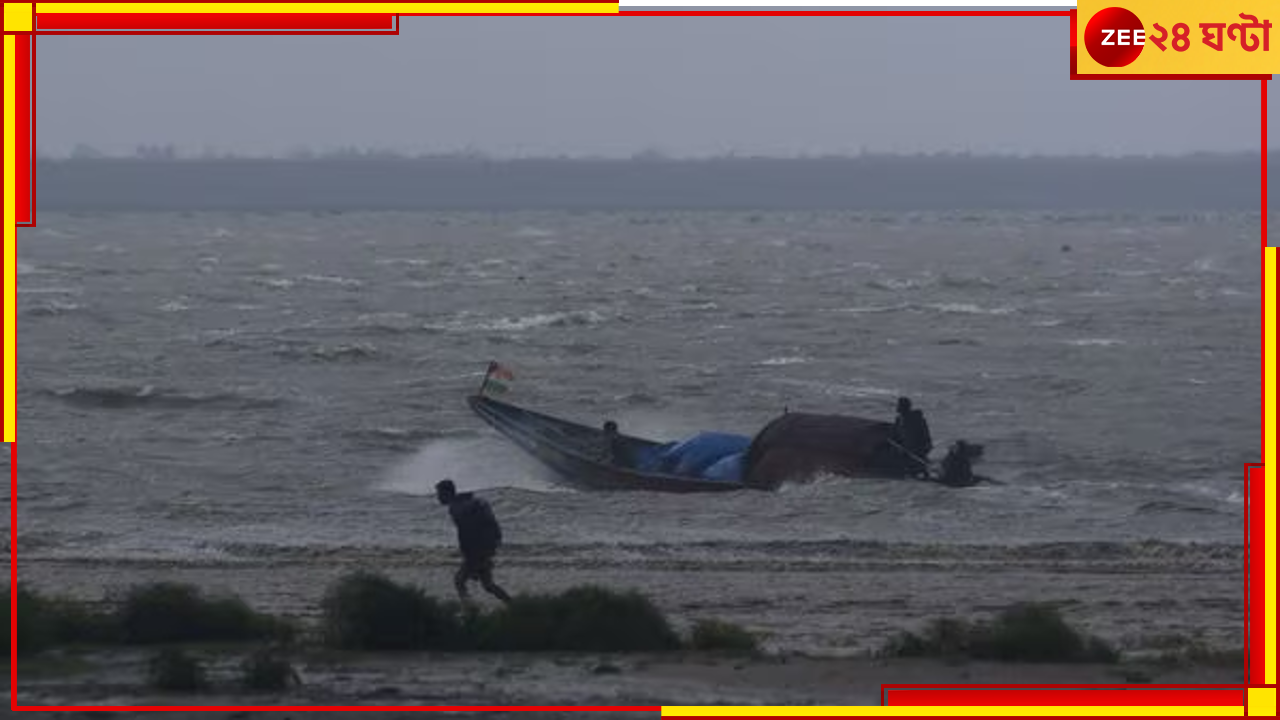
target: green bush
<point>172,670</point>
<point>366,611</point>
<point>1027,632</point>
<point>169,613</point>
<point>267,670</point>
<point>587,619</point>
<point>44,622</point>
<point>942,637</point>
<point>33,632</point>
<point>77,623</point>
<point>719,636</point>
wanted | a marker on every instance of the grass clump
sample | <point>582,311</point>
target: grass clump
<point>1026,632</point>
<point>268,670</point>
<point>1184,651</point>
<point>172,670</point>
<point>33,631</point>
<point>583,619</point>
<point>171,613</point>
<point>366,611</point>
<point>720,636</point>
<point>44,622</point>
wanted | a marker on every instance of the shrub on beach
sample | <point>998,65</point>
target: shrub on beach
<point>267,670</point>
<point>720,636</point>
<point>369,612</point>
<point>32,632</point>
<point>172,670</point>
<point>1182,650</point>
<point>44,622</point>
<point>1026,632</point>
<point>583,619</point>
<point>366,611</point>
<point>1032,632</point>
<point>170,612</point>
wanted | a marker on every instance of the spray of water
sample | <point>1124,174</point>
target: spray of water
<point>474,464</point>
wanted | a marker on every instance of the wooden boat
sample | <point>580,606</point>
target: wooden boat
<point>792,447</point>
<point>579,454</point>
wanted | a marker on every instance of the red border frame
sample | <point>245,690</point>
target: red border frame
<point>238,22</point>
<point>985,694</point>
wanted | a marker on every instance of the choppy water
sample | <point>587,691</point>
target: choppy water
<point>218,386</point>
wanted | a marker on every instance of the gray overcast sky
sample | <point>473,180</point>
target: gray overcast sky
<point>616,85</point>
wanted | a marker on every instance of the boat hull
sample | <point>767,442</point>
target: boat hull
<point>576,453</point>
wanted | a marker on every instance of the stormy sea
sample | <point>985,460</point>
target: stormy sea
<point>262,401</point>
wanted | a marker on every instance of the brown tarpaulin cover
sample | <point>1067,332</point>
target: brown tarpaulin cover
<point>797,445</point>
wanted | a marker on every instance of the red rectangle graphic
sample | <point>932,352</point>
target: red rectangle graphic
<point>24,131</point>
<point>1073,697</point>
<point>161,22</point>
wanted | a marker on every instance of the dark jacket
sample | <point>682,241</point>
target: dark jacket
<point>479,534</point>
<point>913,432</point>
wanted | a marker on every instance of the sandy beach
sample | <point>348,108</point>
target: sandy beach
<point>115,678</point>
<point>821,626</point>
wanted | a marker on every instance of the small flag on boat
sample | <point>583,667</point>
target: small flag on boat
<point>501,372</point>
<point>492,379</point>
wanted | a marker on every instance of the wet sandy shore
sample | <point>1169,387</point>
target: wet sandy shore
<point>117,678</point>
<point>824,607</point>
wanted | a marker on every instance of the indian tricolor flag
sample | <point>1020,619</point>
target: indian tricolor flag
<point>496,378</point>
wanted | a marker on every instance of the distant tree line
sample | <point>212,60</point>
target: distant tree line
<point>157,177</point>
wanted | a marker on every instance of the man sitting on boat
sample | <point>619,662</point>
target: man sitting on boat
<point>616,451</point>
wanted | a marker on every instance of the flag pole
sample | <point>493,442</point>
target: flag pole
<point>488,374</point>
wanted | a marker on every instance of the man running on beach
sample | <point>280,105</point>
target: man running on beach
<point>479,537</point>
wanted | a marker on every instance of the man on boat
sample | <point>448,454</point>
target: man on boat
<point>616,451</point>
<point>911,432</point>
<point>479,537</point>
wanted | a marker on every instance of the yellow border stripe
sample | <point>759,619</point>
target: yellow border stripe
<point>389,8</point>
<point>1269,435</point>
<point>976,711</point>
<point>10,227</point>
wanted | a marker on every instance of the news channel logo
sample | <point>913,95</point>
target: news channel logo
<point>1115,37</point>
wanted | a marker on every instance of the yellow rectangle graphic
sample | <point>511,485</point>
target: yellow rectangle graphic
<point>376,8</point>
<point>976,711</point>
<point>1262,702</point>
<point>10,226</point>
<point>17,17</point>
<point>1181,26</point>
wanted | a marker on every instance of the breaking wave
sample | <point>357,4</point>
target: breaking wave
<point>575,318</point>
<point>126,397</point>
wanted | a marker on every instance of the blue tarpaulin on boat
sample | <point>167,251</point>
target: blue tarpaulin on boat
<point>693,456</point>
<point>727,469</point>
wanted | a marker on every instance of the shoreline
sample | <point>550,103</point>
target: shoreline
<point>821,610</point>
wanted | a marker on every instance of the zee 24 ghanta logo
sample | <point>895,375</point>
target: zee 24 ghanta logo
<point>1115,37</point>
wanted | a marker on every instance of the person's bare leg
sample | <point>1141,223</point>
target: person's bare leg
<point>491,587</point>
<point>460,584</point>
